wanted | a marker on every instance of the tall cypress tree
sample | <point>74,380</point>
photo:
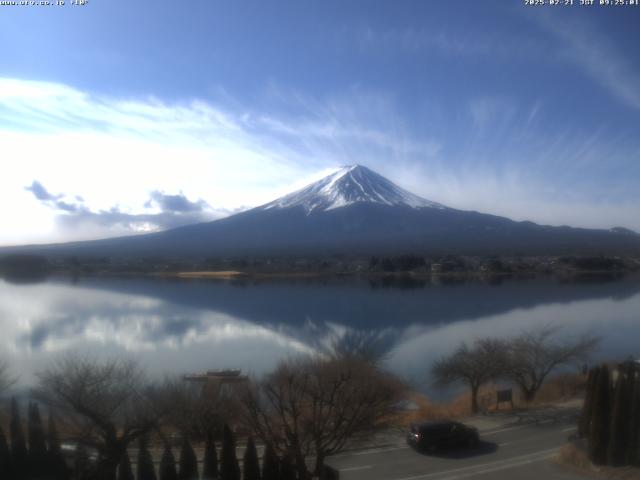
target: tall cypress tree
<point>38,458</point>
<point>19,453</point>
<point>251,470</point>
<point>586,414</point>
<point>287,472</point>
<point>210,468</point>
<point>57,464</point>
<point>601,418</point>
<point>168,465</point>
<point>5,457</point>
<point>633,450</point>
<point>619,429</point>
<point>146,470</point>
<point>188,462</point>
<point>269,463</point>
<point>229,468</point>
<point>82,468</point>
<point>125,472</point>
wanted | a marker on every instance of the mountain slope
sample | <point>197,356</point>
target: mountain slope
<point>355,211</point>
<point>349,185</point>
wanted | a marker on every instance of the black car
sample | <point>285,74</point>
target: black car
<point>431,436</point>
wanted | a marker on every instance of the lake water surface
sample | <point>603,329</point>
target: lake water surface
<point>175,326</point>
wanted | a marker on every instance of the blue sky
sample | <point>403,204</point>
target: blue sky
<point>120,117</point>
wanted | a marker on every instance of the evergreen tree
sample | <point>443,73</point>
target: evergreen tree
<point>210,469</point>
<point>146,470</point>
<point>38,458</point>
<point>125,472</point>
<point>19,453</point>
<point>633,451</point>
<point>229,468</point>
<point>57,464</point>
<point>168,465</point>
<point>188,462</point>
<point>287,471</point>
<point>601,418</point>
<point>81,466</point>
<point>619,428</point>
<point>269,463</point>
<point>251,470</point>
<point>585,416</point>
<point>5,457</point>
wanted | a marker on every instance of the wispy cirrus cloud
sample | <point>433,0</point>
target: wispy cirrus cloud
<point>440,41</point>
<point>596,55</point>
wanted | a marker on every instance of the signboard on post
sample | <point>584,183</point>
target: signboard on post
<point>504,396</point>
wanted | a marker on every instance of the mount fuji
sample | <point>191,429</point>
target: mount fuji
<point>347,186</point>
<point>353,211</point>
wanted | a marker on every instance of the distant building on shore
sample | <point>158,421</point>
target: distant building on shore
<point>216,383</point>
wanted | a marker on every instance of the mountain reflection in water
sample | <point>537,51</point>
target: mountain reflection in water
<point>177,326</point>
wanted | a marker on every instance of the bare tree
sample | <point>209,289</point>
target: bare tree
<point>534,354</point>
<point>311,407</point>
<point>370,346</point>
<point>108,402</point>
<point>474,365</point>
<point>193,410</point>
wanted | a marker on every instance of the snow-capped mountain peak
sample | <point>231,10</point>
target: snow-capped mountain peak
<point>350,184</point>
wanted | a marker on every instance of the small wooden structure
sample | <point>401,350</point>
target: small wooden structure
<point>215,382</point>
<point>504,396</point>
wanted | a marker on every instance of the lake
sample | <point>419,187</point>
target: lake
<point>184,326</point>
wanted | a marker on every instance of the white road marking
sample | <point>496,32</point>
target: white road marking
<point>493,432</point>
<point>498,468</point>
<point>491,466</point>
<point>508,429</point>
<point>369,452</point>
<point>570,429</point>
<point>353,469</point>
<point>504,444</point>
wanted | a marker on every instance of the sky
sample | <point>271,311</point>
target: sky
<point>120,117</point>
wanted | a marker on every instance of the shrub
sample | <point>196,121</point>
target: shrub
<point>229,468</point>
<point>124,469</point>
<point>269,463</point>
<point>251,464</point>
<point>37,443</point>
<point>146,470</point>
<point>210,469</point>
<point>188,462</point>
<point>600,420</point>
<point>168,465</point>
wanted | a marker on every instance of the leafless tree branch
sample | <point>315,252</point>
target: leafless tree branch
<point>110,403</point>
<point>311,407</point>
<point>534,354</point>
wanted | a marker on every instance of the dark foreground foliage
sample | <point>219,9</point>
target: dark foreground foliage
<point>610,418</point>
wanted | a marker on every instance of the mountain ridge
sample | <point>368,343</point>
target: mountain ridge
<point>353,210</point>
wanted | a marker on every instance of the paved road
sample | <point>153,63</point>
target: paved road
<point>511,451</point>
